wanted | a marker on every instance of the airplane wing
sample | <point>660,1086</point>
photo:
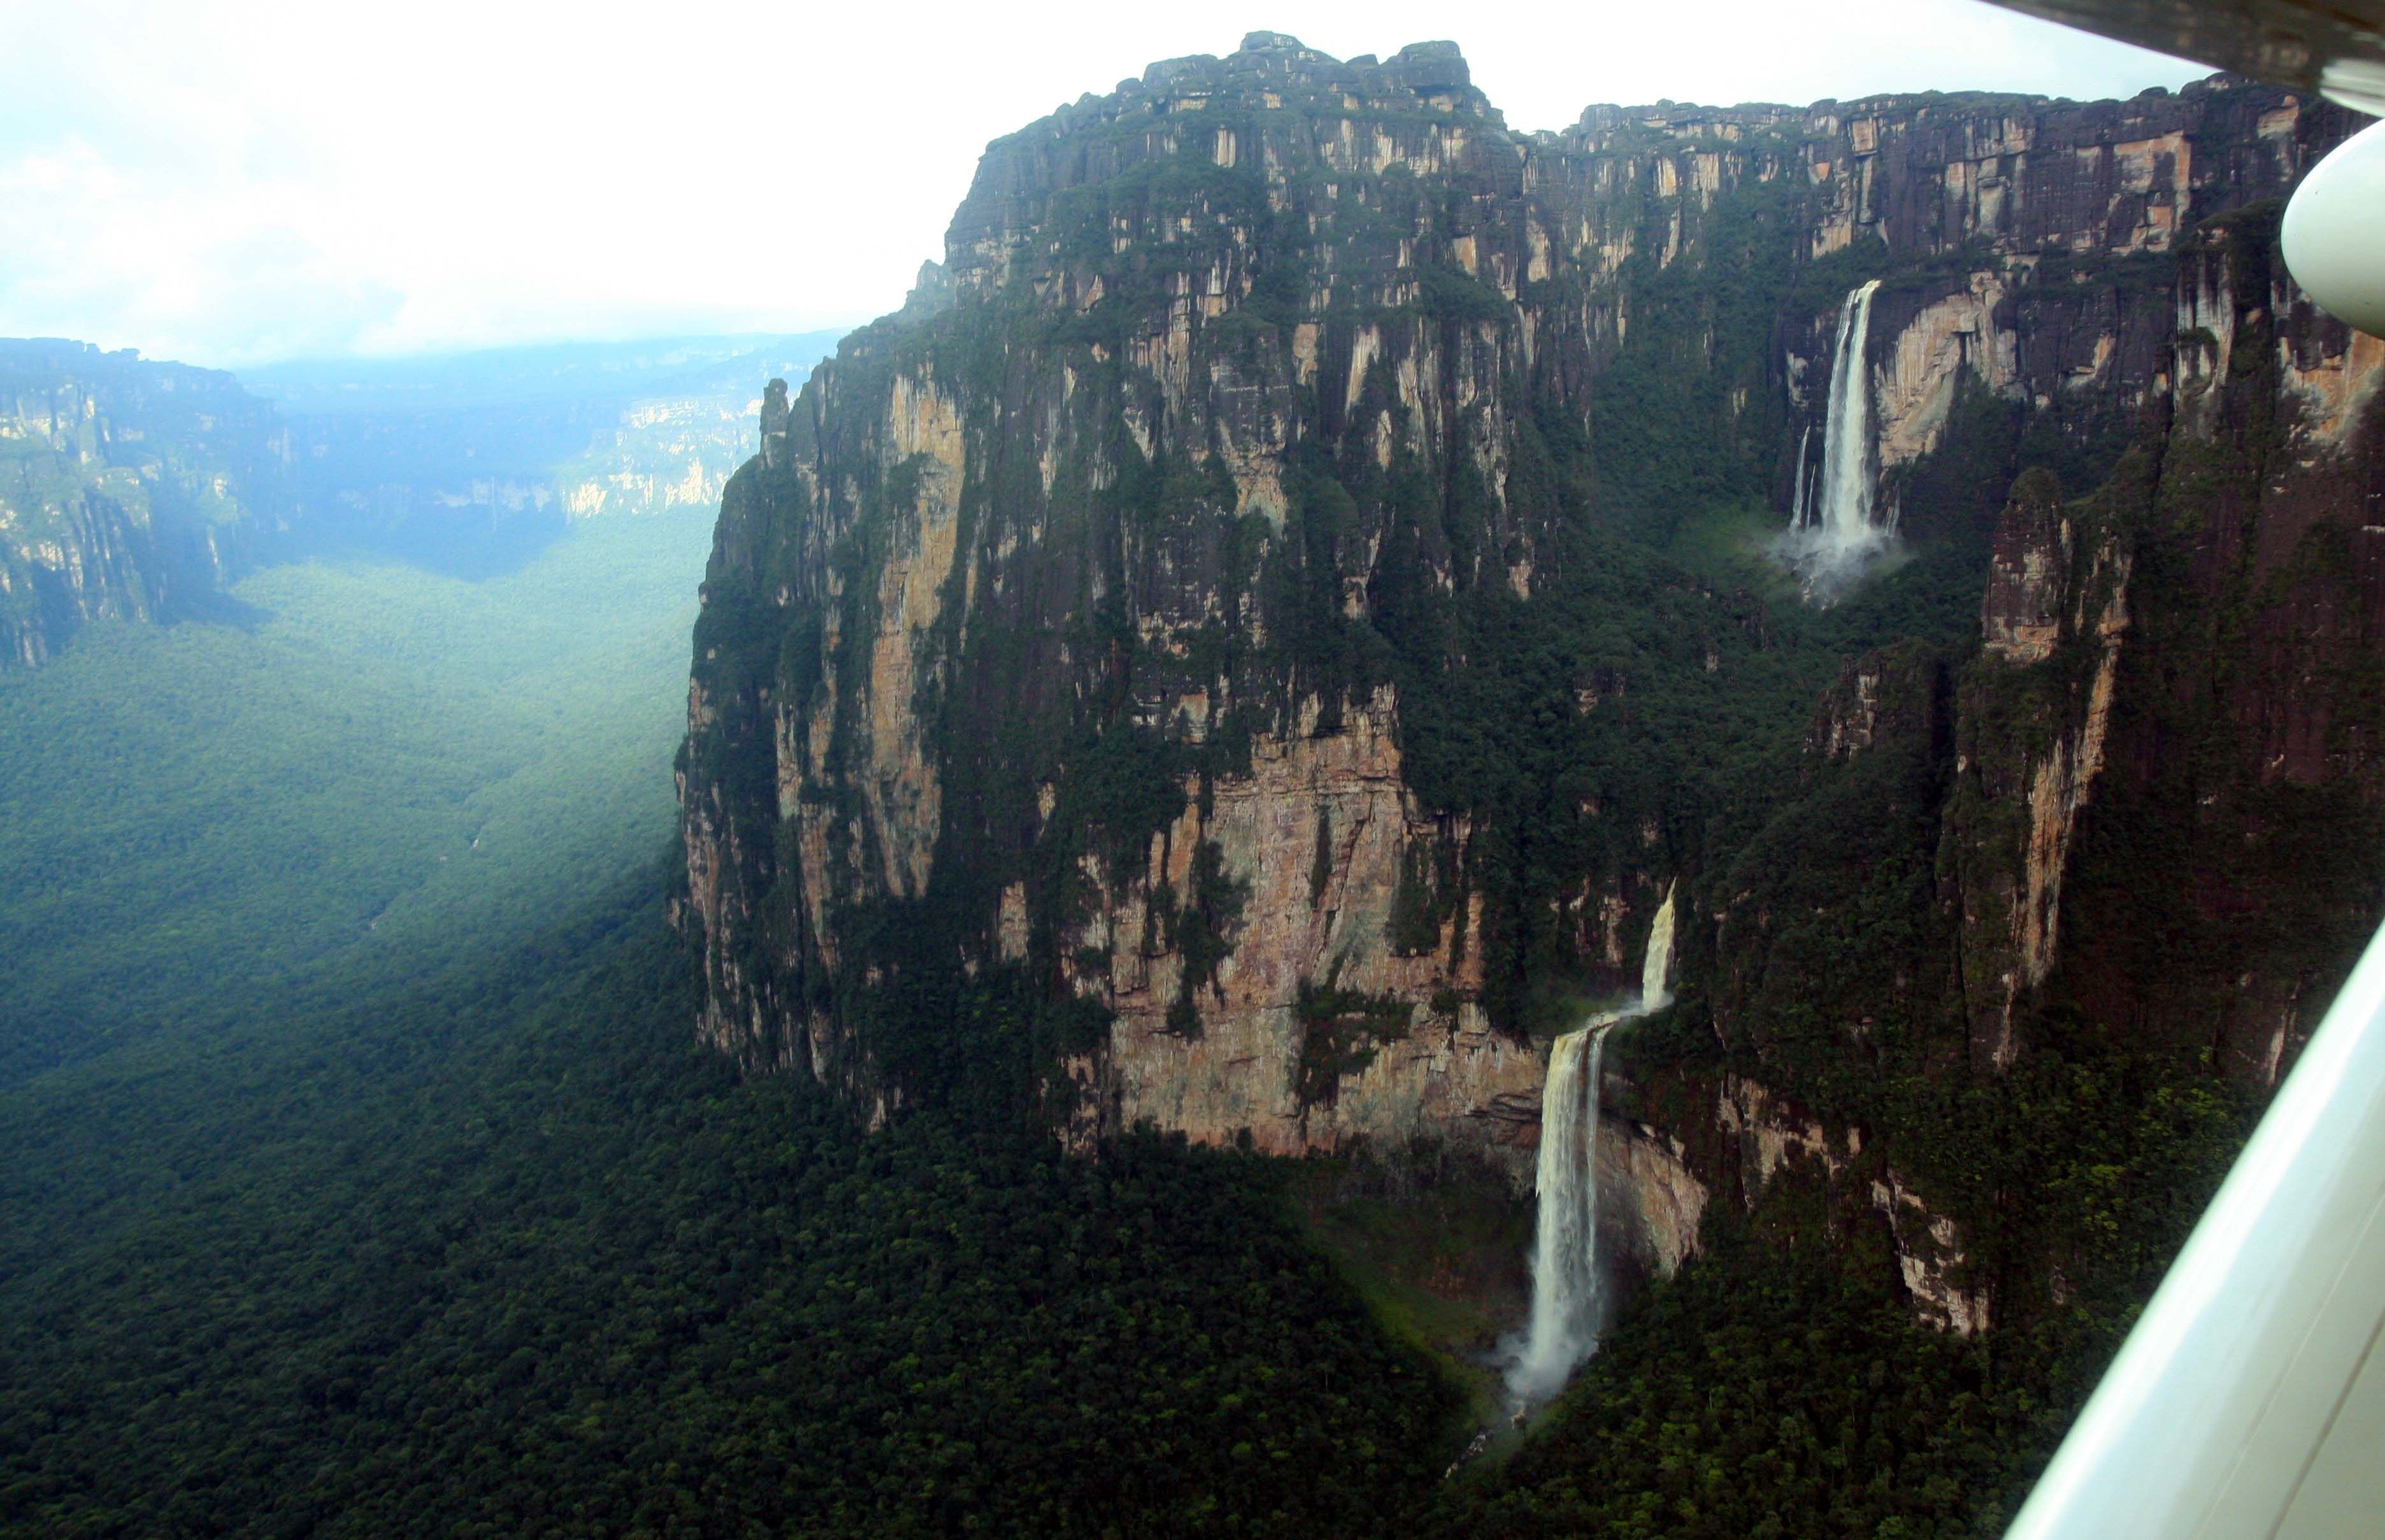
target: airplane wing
<point>2250,1399</point>
<point>2335,49</point>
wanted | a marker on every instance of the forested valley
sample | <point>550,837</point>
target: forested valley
<point>1382,826</point>
<point>360,1175</point>
<point>363,1177</point>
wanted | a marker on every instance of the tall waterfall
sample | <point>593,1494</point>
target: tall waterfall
<point>1567,1302</point>
<point>1565,1242</point>
<point>1829,542</point>
<point>1846,435</point>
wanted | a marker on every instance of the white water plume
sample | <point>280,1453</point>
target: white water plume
<point>1569,1302</point>
<point>1564,1243</point>
<point>1828,543</point>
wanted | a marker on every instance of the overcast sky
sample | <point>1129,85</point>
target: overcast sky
<point>253,179</point>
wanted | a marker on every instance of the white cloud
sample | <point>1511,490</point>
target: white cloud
<point>261,178</point>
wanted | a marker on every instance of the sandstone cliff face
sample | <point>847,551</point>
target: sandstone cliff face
<point>126,489</point>
<point>2032,743</point>
<point>2153,800</point>
<point>1203,279</point>
<point>2217,612</point>
<point>1314,1029</point>
<point>1137,616</point>
<point>2255,508</point>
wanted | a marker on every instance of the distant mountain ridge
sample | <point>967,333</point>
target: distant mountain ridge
<point>671,366</point>
<point>133,488</point>
<point>466,462</point>
<point>127,488</point>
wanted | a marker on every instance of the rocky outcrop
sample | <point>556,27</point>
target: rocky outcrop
<point>1930,1260</point>
<point>1311,1029</point>
<point>1766,1157</point>
<point>1890,694</point>
<point>2031,742</point>
<point>1775,1142</point>
<point>2028,573</point>
<point>129,490</point>
<point>1123,622</point>
<point>1651,1202</point>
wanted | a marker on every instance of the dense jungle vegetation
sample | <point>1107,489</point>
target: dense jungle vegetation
<point>359,1176</point>
<point>367,760</point>
<point>444,1225</point>
<point>505,1253</point>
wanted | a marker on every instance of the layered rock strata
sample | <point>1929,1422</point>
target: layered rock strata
<point>1095,621</point>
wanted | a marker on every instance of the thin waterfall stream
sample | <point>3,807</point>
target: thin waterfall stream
<point>1568,1298</point>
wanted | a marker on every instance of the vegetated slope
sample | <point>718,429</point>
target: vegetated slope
<point>500,1253</point>
<point>440,1225</point>
<point>377,759</point>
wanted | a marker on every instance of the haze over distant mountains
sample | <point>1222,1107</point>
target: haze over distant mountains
<point>136,488</point>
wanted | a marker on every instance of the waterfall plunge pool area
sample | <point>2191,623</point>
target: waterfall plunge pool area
<point>1836,534</point>
<point>1569,1293</point>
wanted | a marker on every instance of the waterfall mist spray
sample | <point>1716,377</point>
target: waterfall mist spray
<point>1829,547</point>
<point>1569,1302</point>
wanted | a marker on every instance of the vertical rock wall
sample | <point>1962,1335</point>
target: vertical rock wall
<point>126,489</point>
<point>1067,629</point>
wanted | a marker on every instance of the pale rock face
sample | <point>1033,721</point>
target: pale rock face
<point>2207,325</point>
<point>900,786</point>
<point>2040,590</point>
<point>2022,615</point>
<point>1010,924</point>
<point>1928,1247</point>
<point>923,431</point>
<point>1648,1194</point>
<point>1770,1135</point>
<point>1774,1139</point>
<point>2161,166</point>
<point>2058,793</point>
<point>1242,1072</point>
<point>1651,1200</point>
<point>1914,386</point>
<point>1250,408</point>
<point>1881,697</point>
<point>2336,389</point>
<point>1848,729</point>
